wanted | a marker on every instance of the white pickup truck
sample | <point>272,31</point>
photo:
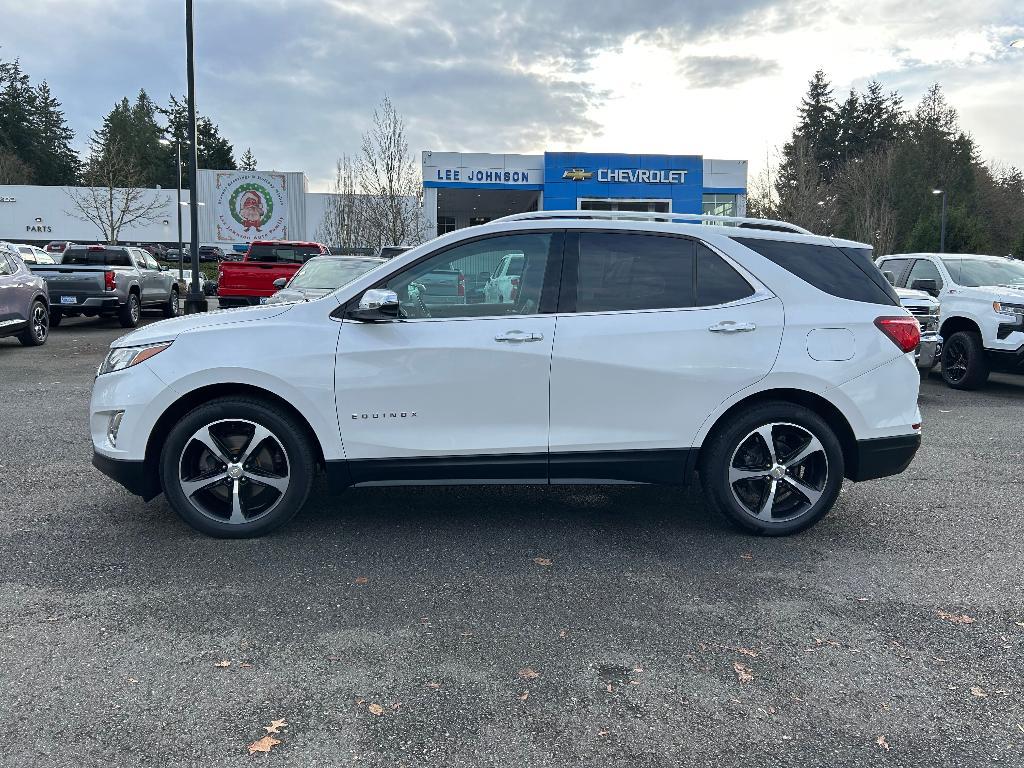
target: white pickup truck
<point>982,310</point>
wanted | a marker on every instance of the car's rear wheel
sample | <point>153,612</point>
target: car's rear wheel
<point>130,312</point>
<point>773,470</point>
<point>963,361</point>
<point>237,467</point>
<point>38,326</point>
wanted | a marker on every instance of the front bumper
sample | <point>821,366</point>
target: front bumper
<point>883,456</point>
<point>929,351</point>
<point>130,474</point>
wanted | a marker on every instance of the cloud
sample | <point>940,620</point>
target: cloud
<point>725,71</point>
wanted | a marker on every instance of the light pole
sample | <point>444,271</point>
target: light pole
<point>195,301</point>
<point>942,225</point>
<point>181,251</point>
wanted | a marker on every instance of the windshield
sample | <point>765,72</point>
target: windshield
<point>330,273</point>
<point>973,273</point>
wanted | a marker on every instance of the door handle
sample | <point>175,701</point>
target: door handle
<point>731,326</point>
<point>518,337</point>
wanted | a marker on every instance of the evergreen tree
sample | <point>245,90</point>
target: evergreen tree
<point>248,161</point>
<point>816,137</point>
<point>55,161</point>
<point>17,105</point>
<point>132,127</point>
<point>214,150</point>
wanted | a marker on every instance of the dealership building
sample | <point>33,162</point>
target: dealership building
<point>461,189</point>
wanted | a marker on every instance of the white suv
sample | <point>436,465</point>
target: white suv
<point>773,361</point>
<point>982,316</point>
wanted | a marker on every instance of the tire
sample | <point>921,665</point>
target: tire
<point>173,307</point>
<point>963,361</point>
<point>130,312</point>
<point>55,317</point>
<point>283,453</point>
<point>738,474</point>
<point>38,330</point>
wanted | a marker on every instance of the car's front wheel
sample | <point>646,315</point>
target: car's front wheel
<point>237,467</point>
<point>774,469</point>
<point>963,361</point>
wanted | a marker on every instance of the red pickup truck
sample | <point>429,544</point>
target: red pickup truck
<point>251,280</point>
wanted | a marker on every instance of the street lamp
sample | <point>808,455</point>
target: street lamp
<point>181,251</point>
<point>195,301</point>
<point>942,225</point>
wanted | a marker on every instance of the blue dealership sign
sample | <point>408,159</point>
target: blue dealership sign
<point>570,176</point>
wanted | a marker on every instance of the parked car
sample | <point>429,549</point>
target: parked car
<point>251,281</point>
<point>982,314</point>
<point>24,300</point>
<point>56,248</point>
<point>390,251</point>
<point>926,309</point>
<point>156,250</point>
<point>502,285</point>
<point>773,363</point>
<point>211,253</point>
<point>321,275</point>
<point>109,280</point>
<point>32,254</point>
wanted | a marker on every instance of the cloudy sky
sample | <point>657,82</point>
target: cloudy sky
<point>297,80</point>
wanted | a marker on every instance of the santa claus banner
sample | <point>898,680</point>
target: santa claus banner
<point>251,206</point>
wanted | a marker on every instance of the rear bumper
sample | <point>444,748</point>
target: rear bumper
<point>130,474</point>
<point>883,456</point>
<point>99,303</point>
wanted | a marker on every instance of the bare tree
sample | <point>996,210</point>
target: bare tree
<point>867,194</point>
<point>344,222</point>
<point>390,182</point>
<point>803,198</point>
<point>112,197</point>
<point>13,170</point>
<point>762,200</point>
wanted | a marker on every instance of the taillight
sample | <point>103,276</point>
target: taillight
<point>108,281</point>
<point>515,289</point>
<point>462,284</point>
<point>905,332</point>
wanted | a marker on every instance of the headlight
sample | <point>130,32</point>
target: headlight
<point>1008,309</point>
<point>125,357</point>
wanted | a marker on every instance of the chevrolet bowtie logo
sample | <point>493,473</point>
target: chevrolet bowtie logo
<point>577,174</point>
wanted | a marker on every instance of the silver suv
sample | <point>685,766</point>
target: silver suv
<point>24,301</point>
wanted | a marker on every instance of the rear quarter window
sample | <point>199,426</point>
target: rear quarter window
<point>847,273</point>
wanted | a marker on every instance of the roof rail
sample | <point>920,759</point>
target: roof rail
<point>686,218</point>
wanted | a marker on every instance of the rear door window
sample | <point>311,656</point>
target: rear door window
<point>288,254</point>
<point>847,273</point>
<point>620,271</point>
<point>717,281</point>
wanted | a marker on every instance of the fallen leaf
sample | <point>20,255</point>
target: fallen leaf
<point>565,632</point>
<point>880,741</point>
<point>245,665</point>
<point>362,580</point>
<point>743,672</point>
<point>742,651</point>
<point>977,690</point>
<point>275,726</point>
<point>542,561</point>
<point>376,709</point>
<point>222,664</point>
<point>265,744</point>
<point>602,733</point>
<point>528,673</point>
<point>524,695</point>
<point>747,556</point>
<point>132,680</point>
<point>610,689</point>
<point>956,618</point>
<point>435,686</point>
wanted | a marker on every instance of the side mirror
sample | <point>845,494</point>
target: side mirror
<point>162,267</point>
<point>889,276</point>
<point>280,283</point>
<point>377,305</point>
<point>928,285</point>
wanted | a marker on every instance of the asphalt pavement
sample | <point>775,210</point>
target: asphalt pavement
<point>507,626</point>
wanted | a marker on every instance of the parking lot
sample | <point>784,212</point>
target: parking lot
<point>507,625</point>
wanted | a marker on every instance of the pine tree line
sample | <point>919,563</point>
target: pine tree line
<point>865,168</point>
<point>36,141</point>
